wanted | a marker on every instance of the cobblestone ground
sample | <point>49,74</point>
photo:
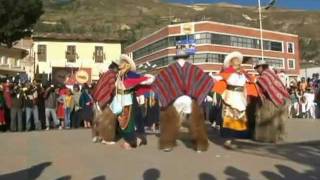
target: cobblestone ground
<point>69,154</point>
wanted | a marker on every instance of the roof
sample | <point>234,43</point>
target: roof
<point>75,37</point>
<point>13,52</point>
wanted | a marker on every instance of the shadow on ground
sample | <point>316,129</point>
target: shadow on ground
<point>151,174</point>
<point>303,153</point>
<point>30,173</point>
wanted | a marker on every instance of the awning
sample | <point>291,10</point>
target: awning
<point>4,71</point>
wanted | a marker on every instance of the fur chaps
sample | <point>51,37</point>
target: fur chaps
<point>170,124</point>
<point>104,125</point>
<point>270,122</point>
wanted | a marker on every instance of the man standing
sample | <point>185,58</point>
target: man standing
<point>51,96</point>
<point>272,108</point>
<point>76,111</point>
<point>16,109</point>
<point>32,108</point>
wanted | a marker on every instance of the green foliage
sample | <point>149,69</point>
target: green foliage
<point>17,18</point>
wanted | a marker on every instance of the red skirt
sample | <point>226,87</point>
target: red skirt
<point>60,111</point>
<point>2,117</point>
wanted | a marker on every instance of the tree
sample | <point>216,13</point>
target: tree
<point>17,18</point>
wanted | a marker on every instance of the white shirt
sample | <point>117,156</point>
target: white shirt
<point>183,104</point>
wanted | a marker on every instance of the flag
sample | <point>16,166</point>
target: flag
<point>271,4</point>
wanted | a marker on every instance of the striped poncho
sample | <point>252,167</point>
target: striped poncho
<point>103,91</point>
<point>272,86</point>
<point>175,81</point>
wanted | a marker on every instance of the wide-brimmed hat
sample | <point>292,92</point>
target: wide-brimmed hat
<point>229,57</point>
<point>260,62</point>
<point>130,61</point>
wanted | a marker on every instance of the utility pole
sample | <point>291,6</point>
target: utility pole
<point>261,29</point>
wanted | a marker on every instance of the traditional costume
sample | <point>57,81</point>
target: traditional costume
<point>234,87</point>
<point>272,108</point>
<point>104,123</point>
<point>124,104</point>
<point>182,79</point>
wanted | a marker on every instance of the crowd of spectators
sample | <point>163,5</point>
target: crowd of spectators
<point>34,106</point>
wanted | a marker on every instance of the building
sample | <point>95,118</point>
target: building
<point>73,58</point>
<point>11,61</point>
<point>213,41</point>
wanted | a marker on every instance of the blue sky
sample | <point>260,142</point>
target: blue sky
<point>292,4</point>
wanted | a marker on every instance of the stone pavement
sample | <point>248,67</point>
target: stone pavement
<point>69,154</point>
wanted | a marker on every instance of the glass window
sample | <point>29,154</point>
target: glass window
<point>220,39</point>
<point>276,46</point>
<point>98,54</point>
<point>42,53</point>
<point>71,54</point>
<point>276,63</point>
<point>291,64</point>
<point>290,48</point>
<point>203,38</point>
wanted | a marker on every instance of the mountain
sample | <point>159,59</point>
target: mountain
<point>131,20</point>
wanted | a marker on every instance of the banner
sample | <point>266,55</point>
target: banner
<point>188,45</point>
<point>71,76</point>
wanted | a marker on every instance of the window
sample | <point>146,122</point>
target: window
<point>273,62</point>
<point>276,63</point>
<point>42,53</point>
<point>276,46</point>
<point>220,39</point>
<point>71,54</point>
<point>203,38</point>
<point>291,64</point>
<point>272,46</point>
<point>208,38</point>
<point>98,54</point>
<point>290,47</point>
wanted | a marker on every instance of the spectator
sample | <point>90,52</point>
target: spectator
<point>16,110</point>
<point>302,108</point>
<point>61,106</point>
<point>86,104</point>
<point>69,104</point>
<point>303,85</point>
<point>310,97</point>
<point>294,100</point>
<point>2,108</point>
<point>31,108</point>
<point>50,97</point>
<point>76,110</point>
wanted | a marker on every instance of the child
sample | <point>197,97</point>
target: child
<point>303,108</point>
<point>69,104</point>
<point>61,106</point>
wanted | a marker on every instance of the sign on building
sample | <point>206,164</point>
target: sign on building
<point>188,45</point>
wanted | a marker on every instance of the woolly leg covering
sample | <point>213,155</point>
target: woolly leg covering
<point>198,128</point>
<point>95,123</point>
<point>107,125</point>
<point>169,127</point>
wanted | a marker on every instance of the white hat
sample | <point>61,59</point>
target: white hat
<point>129,60</point>
<point>230,56</point>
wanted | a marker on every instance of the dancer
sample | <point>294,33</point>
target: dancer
<point>234,89</point>
<point>272,108</point>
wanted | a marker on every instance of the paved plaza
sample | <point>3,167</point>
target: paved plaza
<point>70,154</point>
